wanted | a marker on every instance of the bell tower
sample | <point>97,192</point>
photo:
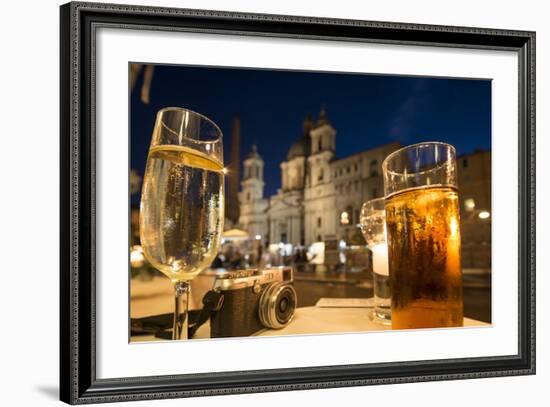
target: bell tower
<point>252,185</point>
<point>319,202</point>
<point>253,206</point>
<point>323,147</point>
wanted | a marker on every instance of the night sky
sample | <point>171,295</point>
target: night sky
<point>365,110</point>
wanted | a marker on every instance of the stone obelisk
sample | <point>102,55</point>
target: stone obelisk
<point>233,177</point>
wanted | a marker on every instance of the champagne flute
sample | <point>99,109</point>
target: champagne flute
<point>182,202</point>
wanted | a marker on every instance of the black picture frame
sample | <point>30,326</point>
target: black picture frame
<point>78,382</point>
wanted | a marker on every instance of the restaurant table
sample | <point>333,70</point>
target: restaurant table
<point>156,298</point>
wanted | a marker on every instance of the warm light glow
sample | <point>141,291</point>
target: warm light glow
<point>225,170</point>
<point>344,218</point>
<point>258,237</point>
<point>469,204</point>
<point>137,259</point>
<point>484,215</point>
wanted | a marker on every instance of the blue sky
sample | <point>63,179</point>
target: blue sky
<point>366,110</point>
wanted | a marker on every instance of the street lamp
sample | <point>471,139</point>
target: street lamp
<point>484,215</point>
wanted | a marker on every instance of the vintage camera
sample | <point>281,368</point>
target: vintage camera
<point>252,300</point>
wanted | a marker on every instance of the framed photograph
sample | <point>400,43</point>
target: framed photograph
<point>255,203</point>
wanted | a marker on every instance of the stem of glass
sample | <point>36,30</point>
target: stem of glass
<point>182,289</point>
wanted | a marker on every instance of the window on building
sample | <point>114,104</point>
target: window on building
<point>319,238</point>
<point>465,163</point>
<point>348,169</point>
<point>344,218</point>
<point>374,193</point>
<point>321,175</point>
<point>355,167</point>
<point>373,169</point>
<point>319,222</point>
<point>283,237</point>
<point>320,145</point>
<point>248,196</point>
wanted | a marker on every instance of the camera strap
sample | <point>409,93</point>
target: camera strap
<point>212,302</point>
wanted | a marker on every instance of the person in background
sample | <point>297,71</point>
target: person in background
<point>300,258</point>
<point>258,256</point>
<point>236,260</point>
<point>266,259</point>
<point>218,261</point>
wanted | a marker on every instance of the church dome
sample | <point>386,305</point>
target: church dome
<point>302,147</point>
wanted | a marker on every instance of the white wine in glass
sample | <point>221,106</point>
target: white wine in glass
<point>182,201</point>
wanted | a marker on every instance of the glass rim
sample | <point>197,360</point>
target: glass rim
<point>373,201</point>
<point>413,146</point>
<point>184,109</point>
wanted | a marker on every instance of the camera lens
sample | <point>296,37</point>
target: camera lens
<point>283,305</point>
<point>277,305</point>
<point>286,305</point>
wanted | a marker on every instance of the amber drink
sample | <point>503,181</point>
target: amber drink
<point>423,236</point>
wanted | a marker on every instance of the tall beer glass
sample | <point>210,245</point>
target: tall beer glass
<point>423,233</point>
<point>182,201</point>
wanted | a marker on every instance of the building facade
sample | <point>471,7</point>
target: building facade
<point>474,184</point>
<point>320,196</point>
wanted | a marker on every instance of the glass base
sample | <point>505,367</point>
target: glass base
<point>380,316</point>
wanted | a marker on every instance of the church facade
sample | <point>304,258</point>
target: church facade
<point>320,196</point>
